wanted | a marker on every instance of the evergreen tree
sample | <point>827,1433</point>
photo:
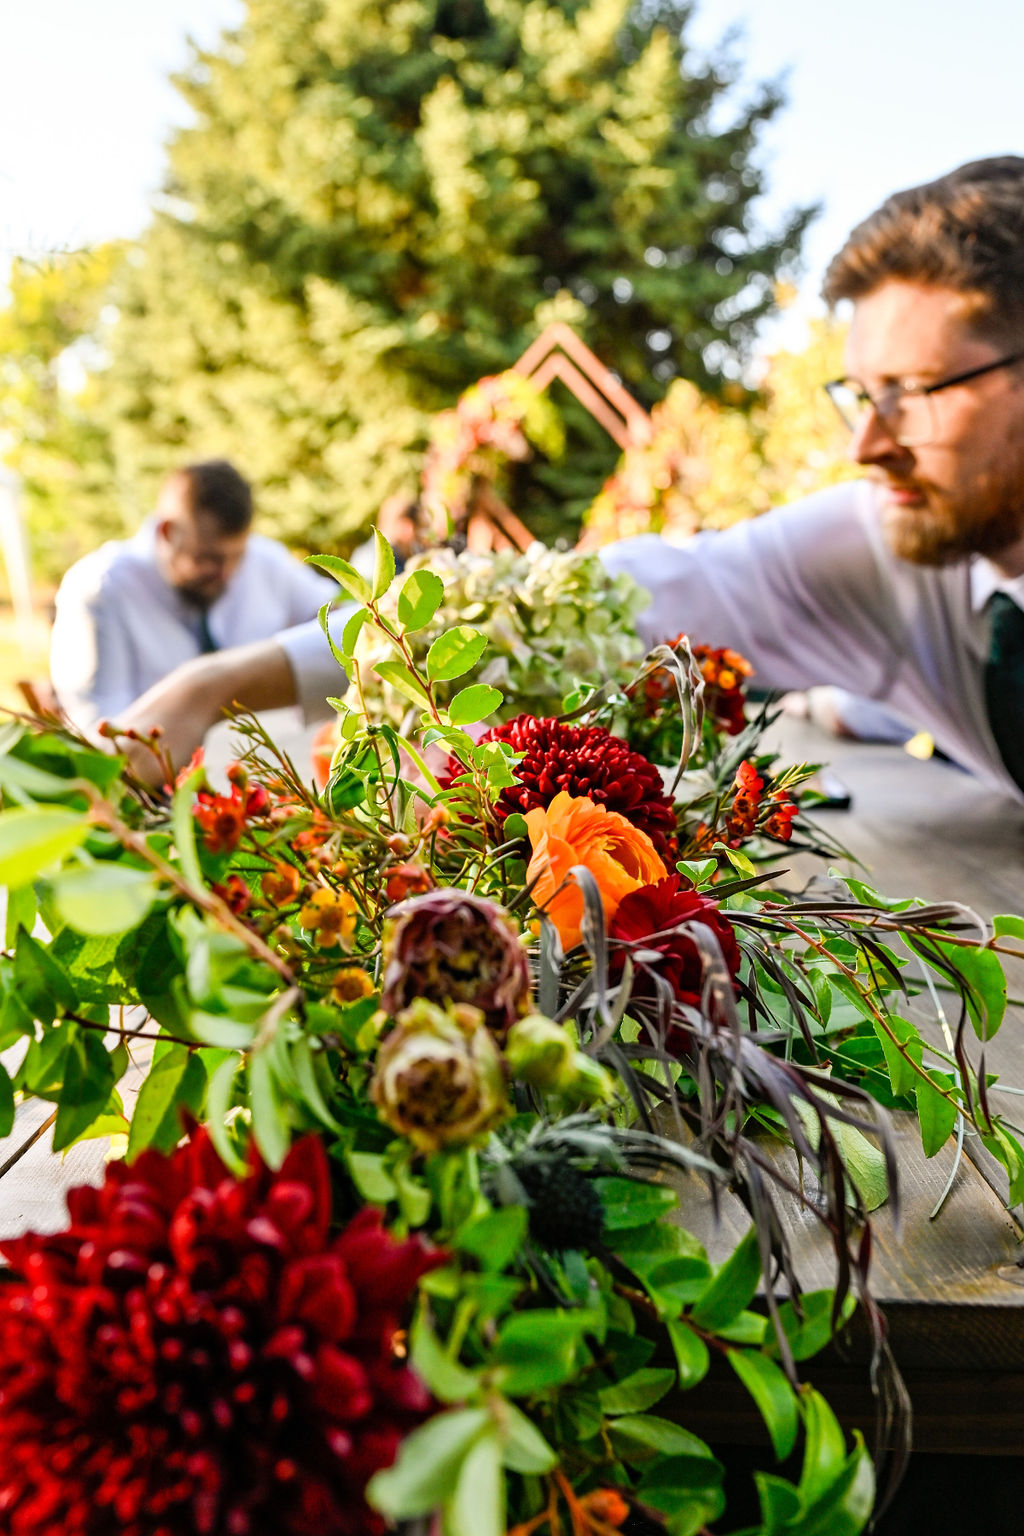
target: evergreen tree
<point>381,200</point>
<point>50,378</point>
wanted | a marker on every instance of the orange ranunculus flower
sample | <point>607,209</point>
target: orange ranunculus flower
<point>572,831</point>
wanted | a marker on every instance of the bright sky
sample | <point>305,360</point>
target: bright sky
<point>882,94</point>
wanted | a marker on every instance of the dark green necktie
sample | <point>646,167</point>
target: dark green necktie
<point>1004,682</point>
<point>206,641</point>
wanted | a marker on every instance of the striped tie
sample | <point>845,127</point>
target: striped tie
<point>1004,682</point>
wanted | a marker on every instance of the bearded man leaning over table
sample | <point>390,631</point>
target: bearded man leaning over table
<point>905,587</point>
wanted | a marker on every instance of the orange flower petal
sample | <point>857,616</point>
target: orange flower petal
<point>573,830</point>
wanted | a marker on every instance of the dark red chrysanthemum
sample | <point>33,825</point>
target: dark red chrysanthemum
<point>588,762</point>
<point>657,918</point>
<point>197,1356</point>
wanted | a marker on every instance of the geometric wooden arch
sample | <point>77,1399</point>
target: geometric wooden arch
<point>558,353</point>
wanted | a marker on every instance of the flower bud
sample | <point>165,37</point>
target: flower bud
<point>590,1082</point>
<point>408,880</point>
<point>540,1052</point>
<point>452,946</point>
<point>438,1077</point>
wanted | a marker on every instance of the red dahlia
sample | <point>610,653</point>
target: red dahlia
<point>197,1356</point>
<point>661,918</point>
<point>590,763</point>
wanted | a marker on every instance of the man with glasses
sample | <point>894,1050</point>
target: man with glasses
<point>194,579</point>
<point>905,587</point>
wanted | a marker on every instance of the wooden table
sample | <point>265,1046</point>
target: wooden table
<point>952,1287</point>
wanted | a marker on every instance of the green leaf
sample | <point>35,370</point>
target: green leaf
<point>936,1112</point>
<point>447,1379</point>
<point>6,1103</point>
<point>454,653</point>
<point>34,839</point>
<point>524,1448</point>
<point>1007,1150</point>
<point>982,981</point>
<point>845,1507</point>
<point>747,1328</point>
<point>175,1082</point>
<point>809,1329</point>
<point>474,703</point>
<point>421,595</point>
<point>383,565</point>
<point>642,1432</point>
<point>641,1390</point>
<point>17,775</point>
<point>403,681</point>
<point>43,984</point>
<point>104,898</point>
<point>691,1352</point>
<point>698,870</point>
<point>477,1507</point>
<point>424,1473</point>
<point>901,1073</point>
<point>983,971</point>
<point>370,1175</point>
<point>346,575</point>
<point>219,1099</point>
<point>780,1504</point>
<point>88,1080</point>
<point>732,1286</point>
<point>538,1349</point>
<point>1007,925</point>
<point>352,630</point>
<point>775,1398</point>
<point>864,1163</point>
<point>686,1491</point>
<point>183,823</point>
<point>824,1447</point>
<point>629,1203</point>
<point>22,909</point>
<point>216,1029</point>
<point>496,1238</point>
<point>269,1121</point>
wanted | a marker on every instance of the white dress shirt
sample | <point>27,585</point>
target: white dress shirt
<point>120,627</point>
<point>810,594</point>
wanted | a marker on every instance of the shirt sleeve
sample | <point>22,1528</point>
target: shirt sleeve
<point>305,588</point>
<point>804,592</point>
<point>317,675</point>
<point>91,665</point>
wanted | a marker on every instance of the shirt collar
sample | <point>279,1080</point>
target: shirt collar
<point>985,580</point>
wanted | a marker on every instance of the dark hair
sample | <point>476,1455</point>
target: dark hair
<point>964,231</point>
<point>216,490</point>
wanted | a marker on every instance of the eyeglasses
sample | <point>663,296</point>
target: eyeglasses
<point>906,409</point>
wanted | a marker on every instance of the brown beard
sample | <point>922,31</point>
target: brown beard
<point>933,536</point>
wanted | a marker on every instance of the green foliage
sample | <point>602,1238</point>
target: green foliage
<point>255,934</point>
<point>376,204</point>
<point>52,338</point>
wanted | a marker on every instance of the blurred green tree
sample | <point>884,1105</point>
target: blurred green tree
<point>51,367</point>
<point>381,200</point>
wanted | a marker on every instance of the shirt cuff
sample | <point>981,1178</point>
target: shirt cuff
<point>317,675</point>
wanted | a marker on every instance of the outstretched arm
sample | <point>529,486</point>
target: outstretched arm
<point>193,698</point>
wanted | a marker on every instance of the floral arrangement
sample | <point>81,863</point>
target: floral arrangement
<point>436,1061</point>
<point>542,617</point>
